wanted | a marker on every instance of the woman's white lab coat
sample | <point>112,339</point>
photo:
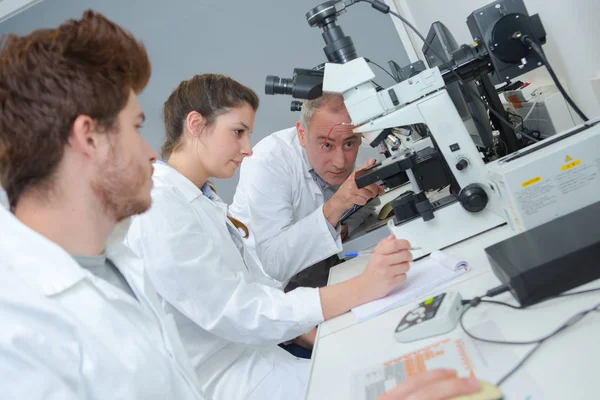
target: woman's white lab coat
<point>230,324</point>
<point>66,334</point>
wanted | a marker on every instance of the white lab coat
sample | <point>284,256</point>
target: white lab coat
<point>230,324</point>
<point>279,199</point>
<point>66,334</point>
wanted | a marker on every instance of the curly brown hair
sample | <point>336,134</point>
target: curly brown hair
<point>50,77</point>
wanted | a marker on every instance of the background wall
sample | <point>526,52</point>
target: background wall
<point>244,39</point>
<point>8,8</point>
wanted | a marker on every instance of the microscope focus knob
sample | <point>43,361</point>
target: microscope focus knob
<point>462,164</point>
<point>473,198</point>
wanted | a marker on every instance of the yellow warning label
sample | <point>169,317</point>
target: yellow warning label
<point>531,181</point>
<point>570,165</point>
<point>568,158</point>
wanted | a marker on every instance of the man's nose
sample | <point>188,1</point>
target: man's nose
<point>338,160</point>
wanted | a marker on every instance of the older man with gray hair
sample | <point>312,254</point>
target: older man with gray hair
<point>297,191</point>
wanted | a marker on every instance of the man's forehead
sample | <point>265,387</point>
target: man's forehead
<point>327,114</point>
<point>339,134</point>
<point>322,122</point>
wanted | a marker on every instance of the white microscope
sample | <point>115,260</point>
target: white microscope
<point>448,156</point>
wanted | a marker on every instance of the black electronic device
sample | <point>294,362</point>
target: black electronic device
<point>494,25</point>
<point>471,110</point>
<point>390,168</point>
<point>551,258</point>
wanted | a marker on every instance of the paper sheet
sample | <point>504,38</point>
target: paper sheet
<point>372,382</point>
<point>424,276</point>
<point>456,351</point>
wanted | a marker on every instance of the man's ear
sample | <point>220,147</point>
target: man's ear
<point>84,137</point>
<point>194,122</point>
<point>301,134</point>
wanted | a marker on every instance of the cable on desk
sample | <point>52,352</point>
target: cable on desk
<point>490,293</point>
<point>538,342</point>
<point>570,322</point>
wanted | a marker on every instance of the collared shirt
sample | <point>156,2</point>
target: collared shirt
<point>328,192</point>
<point>207,191</point>
<point>327,189</point>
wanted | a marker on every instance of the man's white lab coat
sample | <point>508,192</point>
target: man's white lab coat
<point>229,323</point>
<point>66,334</point>
<point>278,198</point>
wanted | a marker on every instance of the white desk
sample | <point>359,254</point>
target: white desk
<point>564,368</point>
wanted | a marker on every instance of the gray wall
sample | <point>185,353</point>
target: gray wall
<point>244,39</point>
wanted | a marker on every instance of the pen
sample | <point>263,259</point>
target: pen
<point>367,252</point>
<point>348,212</point>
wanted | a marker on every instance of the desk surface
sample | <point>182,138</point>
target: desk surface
<point>564,368</point>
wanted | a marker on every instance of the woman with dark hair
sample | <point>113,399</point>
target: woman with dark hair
<point>194,254</point>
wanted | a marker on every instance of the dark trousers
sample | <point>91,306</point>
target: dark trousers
<point>313,276</point>
<point>297,351</point>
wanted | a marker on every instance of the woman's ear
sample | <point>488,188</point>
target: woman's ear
<point>194,122</point>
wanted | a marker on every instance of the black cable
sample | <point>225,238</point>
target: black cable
<point>576,293</point>
<point>521,124</point>
<point>383,69</point>
<point>460,80</point>
<point>570,322</point>
<point>528,41</point>
<point>519,365</point>
<point>382,7</point>
<point>517,116</point>
<point>490,293</point>
<point>497,290</point>
<point>378,87</point>
<point>501,303</point>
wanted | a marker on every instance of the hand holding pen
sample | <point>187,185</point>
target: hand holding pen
<point>386,269</point>
<point>354,254</point>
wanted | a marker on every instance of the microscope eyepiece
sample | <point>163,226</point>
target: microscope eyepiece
<point>277,85</point>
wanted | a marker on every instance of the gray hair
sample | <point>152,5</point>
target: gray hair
<point>334,101</point>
